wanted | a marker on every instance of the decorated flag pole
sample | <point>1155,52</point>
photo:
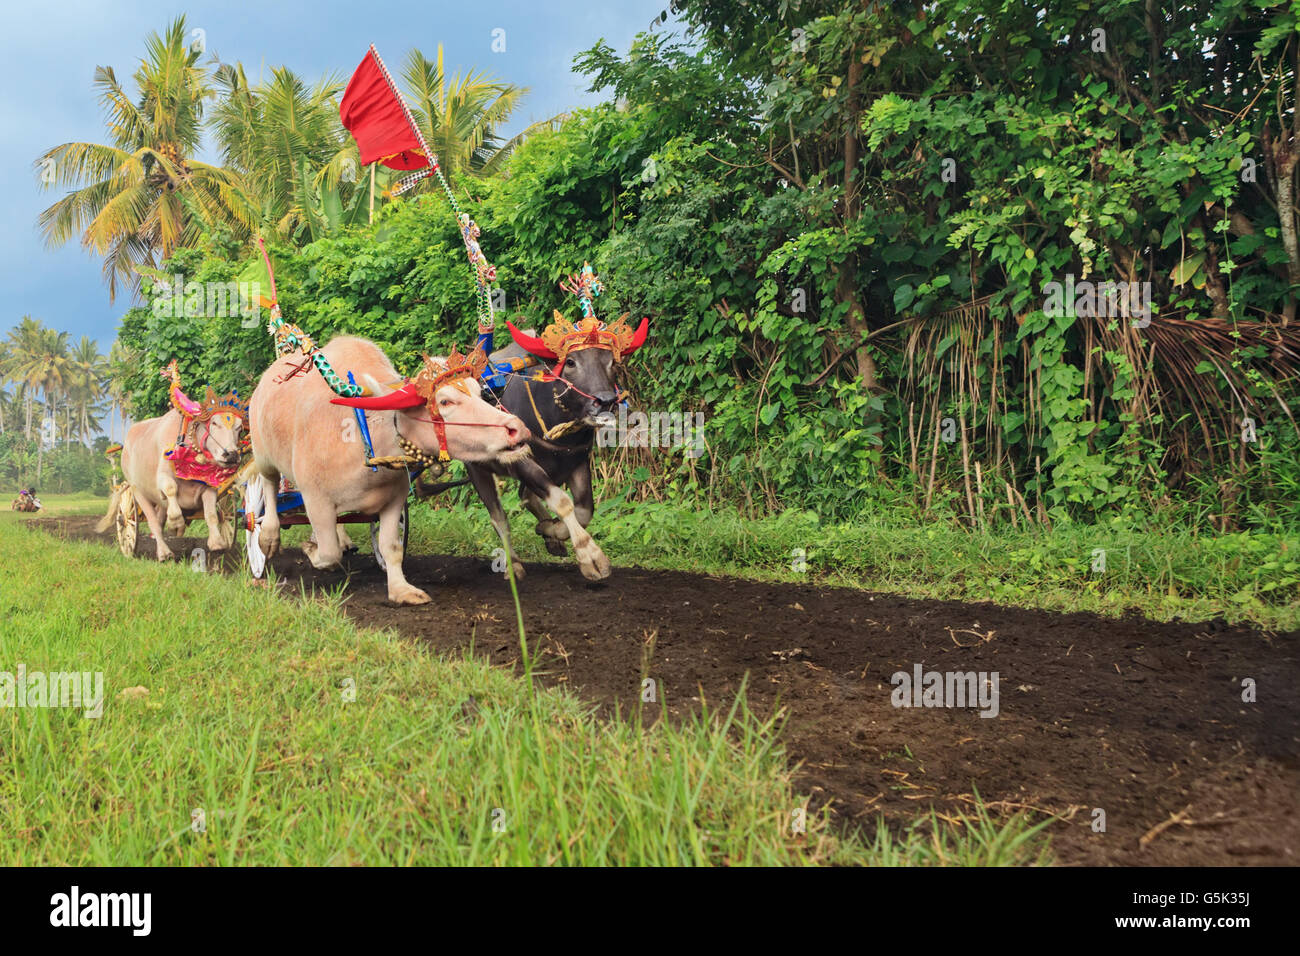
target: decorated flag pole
<point>586,286</point>
<point>289,338</point>
<point>377,116</point>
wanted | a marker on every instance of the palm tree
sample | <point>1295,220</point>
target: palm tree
<point>10,408</point>
<point>286,140</point>
<point>144,195</point>
<point>121,363</point>
<point>5,398</point>
<point>459,118</point>
<point>21,366</point>
<point>89,367</point>
<point>39,362</point>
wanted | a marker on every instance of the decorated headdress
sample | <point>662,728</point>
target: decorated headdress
<point>228,404</point>
<point>453,371</point>
<point>180,401</point>
<point>190,461</point>
<point>562,336</point>
<point>423,389</point>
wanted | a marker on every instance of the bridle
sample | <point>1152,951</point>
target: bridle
<point>190,430</point>
<point>413,453</point>
<point>562,428</point>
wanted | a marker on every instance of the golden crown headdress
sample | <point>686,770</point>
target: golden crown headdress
<point>453,370</point>
<point>228,404</point>
<point>562,336</point>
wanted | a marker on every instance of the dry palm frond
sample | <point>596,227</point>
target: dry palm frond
<point>1175,351</point>
<point>1191,382</point>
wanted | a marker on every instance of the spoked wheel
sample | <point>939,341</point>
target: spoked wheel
<point>254,514</point>
<point>127,520</point>
<point>403,525</point>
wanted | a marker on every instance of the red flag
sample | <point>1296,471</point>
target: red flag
<point>374,113</point>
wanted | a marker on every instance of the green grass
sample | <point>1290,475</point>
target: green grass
<point>1163,573</point>
<point>245,718</point>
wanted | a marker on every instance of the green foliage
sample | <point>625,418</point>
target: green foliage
<point>66,467</point>
<point>717,193</point>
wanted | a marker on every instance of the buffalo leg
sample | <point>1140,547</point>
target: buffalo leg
<point>591,560</point>
<point>155,525</point>
<point>552,530</point>
<point>400,591</point>
<point>345,541</point>
<point>584,505</point>
<point>268,534</point>
<point>323,552</point>
<point>166,480</point>
<point>217,540</point>
<point>485,484</point>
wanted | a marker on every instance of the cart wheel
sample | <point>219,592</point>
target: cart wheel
<point>127,521</point>
<point>254,512</point>
<point>403,523</point>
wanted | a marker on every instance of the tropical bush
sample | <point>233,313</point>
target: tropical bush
<point>874,246</point>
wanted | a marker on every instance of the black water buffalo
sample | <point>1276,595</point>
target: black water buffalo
<point>562,411</point>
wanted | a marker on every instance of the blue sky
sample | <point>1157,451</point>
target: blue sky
<point>48,54</point>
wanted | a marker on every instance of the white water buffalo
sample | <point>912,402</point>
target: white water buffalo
<point>300,432</point>
<point>198,441</point>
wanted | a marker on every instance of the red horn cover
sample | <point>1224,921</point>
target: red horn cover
<point>638,338</point>
<point>530,343</point>
<point>404,397</point>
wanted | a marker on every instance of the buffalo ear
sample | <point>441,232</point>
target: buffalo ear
<point>372,385</point>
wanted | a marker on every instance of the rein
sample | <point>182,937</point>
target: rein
<point>413,454</point>
<point>189,435</point>
<point>556,431</point>
<point>560,429</point>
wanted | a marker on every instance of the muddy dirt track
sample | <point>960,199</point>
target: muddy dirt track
<point>1140,719</point>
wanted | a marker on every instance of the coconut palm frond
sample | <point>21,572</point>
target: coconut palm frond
<point>489,162</point>
<point>458,116</point>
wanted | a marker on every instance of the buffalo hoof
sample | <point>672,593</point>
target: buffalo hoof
<point>596,567</point>
<point>269,542</point>
<point>175,526</point>
<point>164,552</point>
<point>408,595</point>
<point>319,558</point>
<point>555,547</point>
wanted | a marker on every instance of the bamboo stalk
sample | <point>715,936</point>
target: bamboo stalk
<point>1038,489</point>
<point>965,469</point>
<point>979,499</point>
<point>965,447</point>
<point>934,449</point>
<point>911,439</point>
<point>1029,517</point>
<point>1011,503</point>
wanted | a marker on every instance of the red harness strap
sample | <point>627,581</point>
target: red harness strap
<point>440,429</point>
<point>193,464</point>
